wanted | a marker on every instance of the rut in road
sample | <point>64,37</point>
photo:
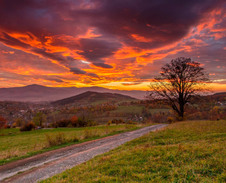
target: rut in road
<point>48,164</point>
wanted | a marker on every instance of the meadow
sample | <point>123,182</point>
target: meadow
<point>190,151</point>
<point>17,145</point>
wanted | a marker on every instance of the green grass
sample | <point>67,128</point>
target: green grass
<point>192,151</point>
<point>17,145</point>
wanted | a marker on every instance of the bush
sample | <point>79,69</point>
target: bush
<point>63,123</point>
<point>7,126</point>
<point>28,127</point>
<point>131,122</point>
<point>92,123</point>
<point>170,119</point>
<point>117,121</point>
<point>74,121</point>
<point>14,125</point>
<point>82,122</point>
<point>2,122</point>
<point>159,117</point>
<point>19,122</point>
<point>109,123</point>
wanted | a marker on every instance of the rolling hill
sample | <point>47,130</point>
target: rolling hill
<point>90,97</point>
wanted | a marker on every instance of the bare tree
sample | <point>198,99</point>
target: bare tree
<point>179,80</point>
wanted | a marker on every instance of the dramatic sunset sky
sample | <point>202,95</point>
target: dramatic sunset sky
<point>119,44</point>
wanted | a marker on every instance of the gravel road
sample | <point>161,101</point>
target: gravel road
<point>48,164</point>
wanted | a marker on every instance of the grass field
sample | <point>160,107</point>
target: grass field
<point>16,145</point>
<point>192,151</point>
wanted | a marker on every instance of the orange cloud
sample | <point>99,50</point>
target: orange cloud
<point>124,57</point>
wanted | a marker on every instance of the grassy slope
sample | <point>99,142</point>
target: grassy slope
<point>16,145</point>
<point>192,151</point>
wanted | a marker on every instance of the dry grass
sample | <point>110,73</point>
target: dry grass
<point>15,144</point>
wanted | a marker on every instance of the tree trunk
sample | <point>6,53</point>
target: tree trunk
<point>181,111</point>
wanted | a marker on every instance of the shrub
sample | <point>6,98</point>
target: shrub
<point>28,127</point>
<point>117,121</point>
<point>170,119</point>
<point>74,121</point>
<point>19,122</point>
<point>7,126</point>
<point>109,123</point>
<point>63,123</point>
<point>14,125</point>
<point>82,122</point>
<point>159,117</point>
<point>92,123</point>
<point>131,122</point>
<point>2,122</point>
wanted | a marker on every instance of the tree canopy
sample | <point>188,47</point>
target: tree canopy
<point>179,80</point>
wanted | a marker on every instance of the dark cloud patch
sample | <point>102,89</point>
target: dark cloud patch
<point>96,49</point>
<point>103,65</point>
<point>162,22</point>
<point>93,75</point>
<point>53,56</point>
<point>39,17</point>
<point>77,71</point>
<point>55,79</point>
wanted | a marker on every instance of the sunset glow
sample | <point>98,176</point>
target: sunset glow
<point>113,44</point>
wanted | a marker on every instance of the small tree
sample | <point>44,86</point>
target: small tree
<point>178,82</point>
<point>39,119</point>
<point>19,122</point>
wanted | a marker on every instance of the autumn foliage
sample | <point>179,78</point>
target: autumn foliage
<point>2,122</point>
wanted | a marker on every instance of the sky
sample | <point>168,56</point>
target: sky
<point>117,44</point>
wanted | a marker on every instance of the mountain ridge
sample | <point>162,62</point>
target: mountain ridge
<point>91,97</point>
<point>40,93</point>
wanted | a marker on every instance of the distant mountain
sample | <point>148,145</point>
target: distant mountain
<point>90,97</point>
<point>220,94</point>
<point>39,93</point>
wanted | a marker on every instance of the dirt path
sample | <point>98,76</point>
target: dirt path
<point>48,164</point>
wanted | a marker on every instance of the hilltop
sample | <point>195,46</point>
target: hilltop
<point>90,97</point>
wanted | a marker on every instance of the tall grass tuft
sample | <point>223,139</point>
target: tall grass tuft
<point>91,134</point>
<point>54,140</point>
